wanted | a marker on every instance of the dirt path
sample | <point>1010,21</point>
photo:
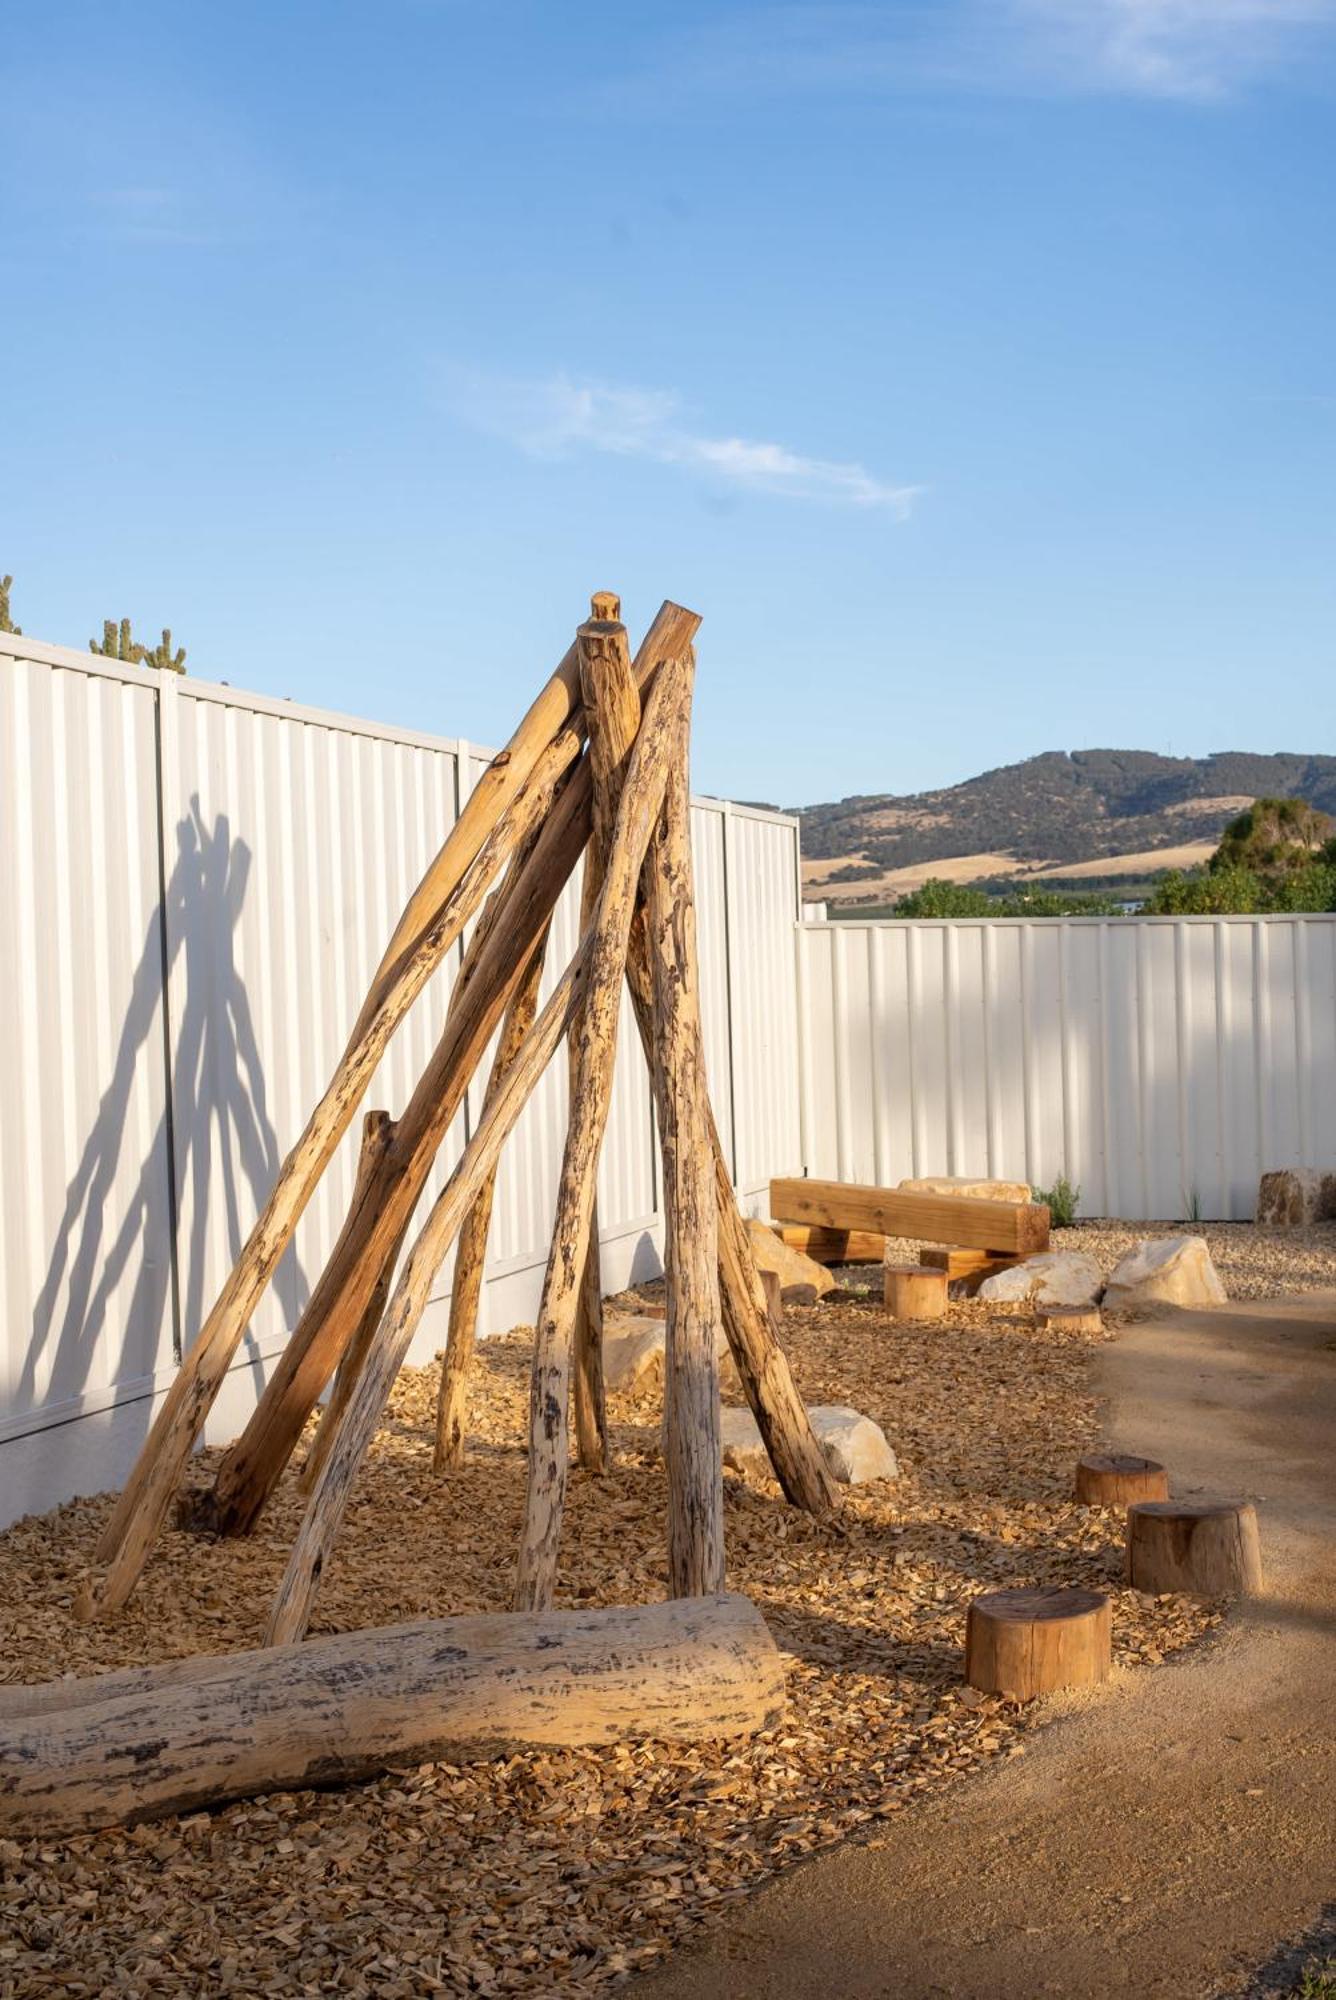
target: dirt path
<point>1165,1835</point>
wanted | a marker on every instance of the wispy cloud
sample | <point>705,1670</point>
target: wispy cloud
<point>555,416</point>
<point>1185,49</point>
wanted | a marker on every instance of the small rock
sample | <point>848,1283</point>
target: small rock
<point>791,1267</point>
<point>1052,1278</point>
<point>1169,1271</point>
<point>633,1354</point>
<point>961,1184</point>
<point>1292,1197</point>
<point>854,1448</point>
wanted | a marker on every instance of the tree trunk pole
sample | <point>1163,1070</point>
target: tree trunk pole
<point>612,717</point>
<point>640,805</point>
<point>762,1365</point>
<point>377,1137</point>
<point>471,1254</point>
<point>597,1048</point>
<point>691,1369</point>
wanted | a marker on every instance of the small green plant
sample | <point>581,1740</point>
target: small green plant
<point>1061,1200</point>
<point>118,643</point>
<point>1192,1208</point>
<point>6,622</point>
<point>1317,1981</point>
<point>162,656</point>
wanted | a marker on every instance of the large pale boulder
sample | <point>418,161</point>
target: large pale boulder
<point>964,1184</point>
<point>1292,1197</point>
<point>1167,1271</point>
<point>854,1448</point>
<point>634,1346</point>
<point>1052,1278</point>
<point>791,1267</point>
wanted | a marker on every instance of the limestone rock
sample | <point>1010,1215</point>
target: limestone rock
<point>1292,1197</point>
<point>633,1354</point>
<point>791,1267</point>
<point>855,1449</point>
<point>962,1184</point>
<point>1052,1278</point>
<point>1169,1271</point>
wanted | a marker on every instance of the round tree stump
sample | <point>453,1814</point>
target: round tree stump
<point>1070,1319</point>
<point>1115,1479</point>
<point>914,1291</point>
<point>1028,1642</point>
<point>1209,1548</point>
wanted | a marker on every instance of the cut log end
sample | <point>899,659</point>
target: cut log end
<point>1070,1319</point>
<point>1118,1479</point>
<point>1207,1548</point>
<point>1024,1643</point>
<point>914,1291</point>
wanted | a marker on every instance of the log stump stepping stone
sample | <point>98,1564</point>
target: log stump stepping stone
<point>1208,1548</point>
<point>914,1291</point>
<point>1028,1642</point>
<point>1070,1319</point>
<point>1118,1479</point>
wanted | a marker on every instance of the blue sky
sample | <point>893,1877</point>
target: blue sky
<point>971,366</point>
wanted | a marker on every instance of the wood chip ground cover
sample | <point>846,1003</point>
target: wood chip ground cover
<point>562,1872</point>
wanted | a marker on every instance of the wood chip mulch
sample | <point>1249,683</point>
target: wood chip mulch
<point>550,1873</point>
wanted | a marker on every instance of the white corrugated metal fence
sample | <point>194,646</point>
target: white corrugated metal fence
<point>197,885</point>
<point>1162,1063</point>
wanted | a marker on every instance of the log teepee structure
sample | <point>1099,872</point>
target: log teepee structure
<point>598,766</point>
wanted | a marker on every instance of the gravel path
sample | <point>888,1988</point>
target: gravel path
<point>557,1873</point>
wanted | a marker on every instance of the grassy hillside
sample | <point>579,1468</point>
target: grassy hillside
<point>1052,812</point>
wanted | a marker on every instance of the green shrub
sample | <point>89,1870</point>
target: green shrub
<point>1061,1200</point>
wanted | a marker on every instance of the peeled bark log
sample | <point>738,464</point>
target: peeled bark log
<point>1208,1548</point>
<point>155,1740</point>
<point>600,1006</point>
<point>1028,1642</point>
<point>640,805</point>
<point>471,1254</point>
<point>1116,1479</point>
<point>914,1291</point>
<point>612,717</point>
<point>691,1370</point>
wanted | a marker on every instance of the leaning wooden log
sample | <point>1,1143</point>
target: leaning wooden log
<point>377,1134</point>
<point>595,1033</point>
<point>693,1449</point>
<point>471,1253</point>
<point>493,966</point>
<point>1028,1642</point>
<point>513,797</point>
<point>1208,1548</point>
<point>612,717</point>
<point>155,1740</point>
<point>753,1338</point>
<point>641,800</point>
<point>1118,1479</point>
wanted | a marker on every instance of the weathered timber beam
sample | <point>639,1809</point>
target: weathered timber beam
<point>966,1222</point>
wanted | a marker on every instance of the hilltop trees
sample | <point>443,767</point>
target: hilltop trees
<point>1278,855</point>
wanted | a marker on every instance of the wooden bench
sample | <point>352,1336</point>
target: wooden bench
<point>962,1222</point>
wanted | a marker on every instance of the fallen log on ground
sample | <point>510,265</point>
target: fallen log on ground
<point>154,1740</point>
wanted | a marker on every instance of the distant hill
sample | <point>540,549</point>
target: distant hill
<point>1083,816</point>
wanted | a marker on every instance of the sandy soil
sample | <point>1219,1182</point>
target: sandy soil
<point>1171,1830</point>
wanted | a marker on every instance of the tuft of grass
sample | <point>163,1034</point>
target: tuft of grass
<point>1317,1981</point>
<point>1061,1200</point>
